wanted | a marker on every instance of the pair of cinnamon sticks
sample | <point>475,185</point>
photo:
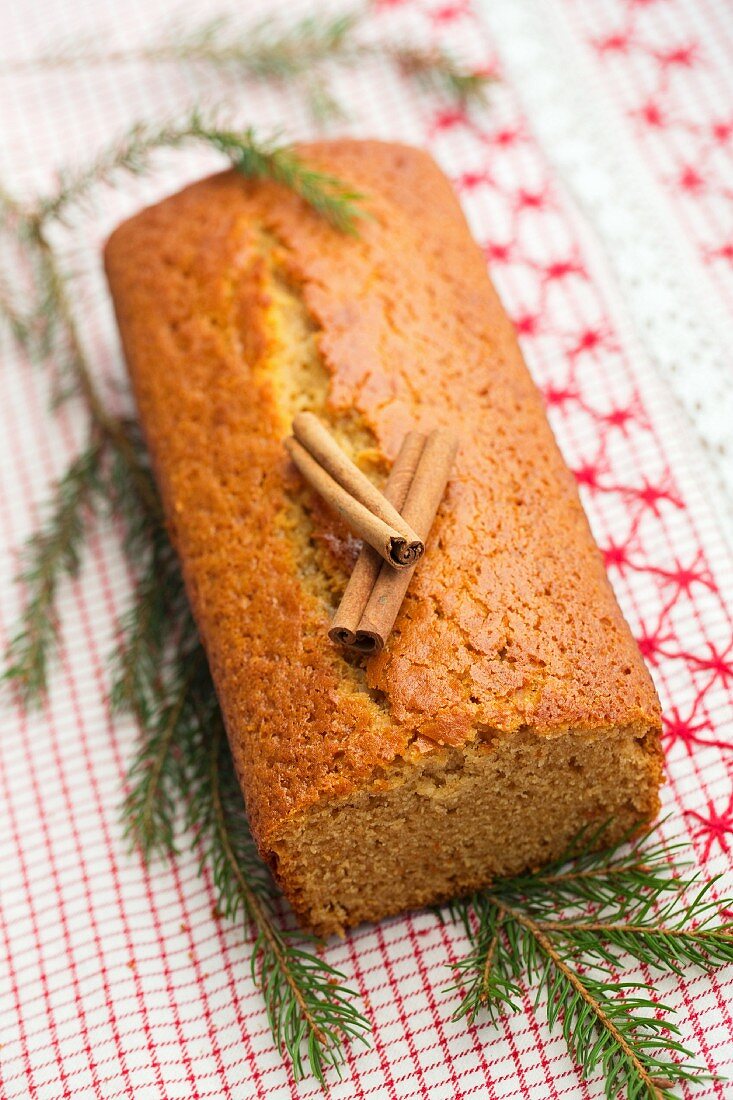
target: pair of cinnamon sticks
<point>366,511</point>
<point>394,525</point>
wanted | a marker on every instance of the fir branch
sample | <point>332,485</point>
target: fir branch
<point>48,338</point>
<point>605,1025</point>
<point>67,348</point>
<point>486,974</point>
<point>26,326</point>
<point>12,316</point>
<point>260,159</point>
<point>326,194</point>
<point>131,155</point>
<point>266,50</point>
<point>145,631</point>
<point>155,779</point>
<point>566,929</point>
<point>185,761</point>
<point>310,1012</point>
<point>589,871</point>
<point>270,50</point>
<point>668,939</point>
<point>55,550</point>
<point>147,634</point>
<point>150,676</point>
<point>438,70</point>
<point>52,553</point>
<point>54,329</point>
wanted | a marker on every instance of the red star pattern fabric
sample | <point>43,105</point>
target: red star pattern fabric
<point>658,61</point>
<point>120,980</point>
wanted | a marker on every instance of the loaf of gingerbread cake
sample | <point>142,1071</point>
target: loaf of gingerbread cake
<point>510,708</point>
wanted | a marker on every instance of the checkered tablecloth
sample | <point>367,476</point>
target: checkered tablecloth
<point>599,182</point>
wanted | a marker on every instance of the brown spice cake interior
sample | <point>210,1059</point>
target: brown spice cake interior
<point>511,706</point>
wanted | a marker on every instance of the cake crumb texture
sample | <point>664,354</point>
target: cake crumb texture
<point>511,706</point>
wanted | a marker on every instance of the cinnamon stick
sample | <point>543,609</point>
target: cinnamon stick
<point>421,504</point>
<point>385,539</point>
<point>365,572</point>
<point>405,546</point>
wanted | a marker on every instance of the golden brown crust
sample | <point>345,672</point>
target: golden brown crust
<point>516,627</point>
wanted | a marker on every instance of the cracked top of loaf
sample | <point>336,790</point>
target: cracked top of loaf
<point>238,306</point>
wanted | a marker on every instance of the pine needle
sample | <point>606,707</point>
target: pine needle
<point>255,158</point>
<point>326,194</point>
<point>276,51</point>
<point>437,70</point>
<point>27,326</point>
<point>12,316</point>
<point>51,554</point>
<point>311,1013</point>
<point>564,931</point>
<point>266,50</point>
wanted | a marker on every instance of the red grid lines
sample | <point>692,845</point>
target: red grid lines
<point>121,984</point>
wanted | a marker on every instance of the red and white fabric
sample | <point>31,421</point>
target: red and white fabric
<point>599,181</point>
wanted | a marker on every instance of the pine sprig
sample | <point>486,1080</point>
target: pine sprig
<point>607,1026</point>
<point>147,638</point>
<point>183,775</point>
<point>295,53</point>
<point>255,158</point>
<point>155,780</point>
<point>566,930</point>
<point>486,975</point>
<point>265,50</point>
<point>327,195</point>
<point>153,682</point>
<point>437,70</point>
<point>51,332</point>
<point>28,326</point>
<point>53,553</point>
<point>12,316</point>
<point>151,670</point>
<point>184,761</point>
<point>183,778</point>
<point>310,1012</point>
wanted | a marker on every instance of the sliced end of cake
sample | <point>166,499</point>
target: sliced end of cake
<point>449,821</point>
